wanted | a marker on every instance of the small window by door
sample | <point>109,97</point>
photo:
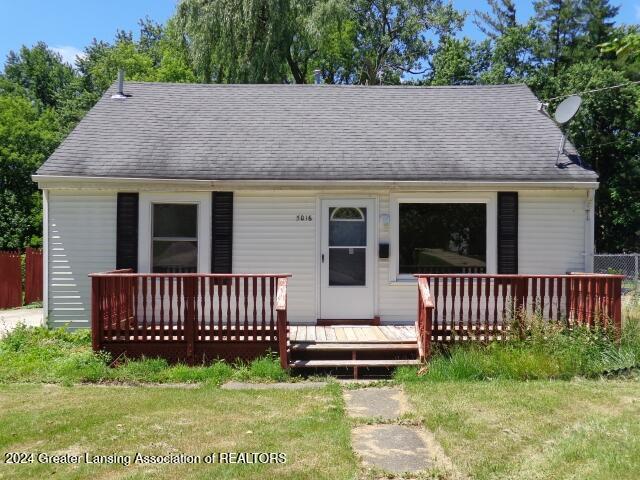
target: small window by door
<point>174,238</point>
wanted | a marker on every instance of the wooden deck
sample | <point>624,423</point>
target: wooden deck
<point>371,334</point>
<point>202,317</point>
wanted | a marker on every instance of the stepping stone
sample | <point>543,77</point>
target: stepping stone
<point>385,403</point>
<point>272,386</point>
<point>392,448</point>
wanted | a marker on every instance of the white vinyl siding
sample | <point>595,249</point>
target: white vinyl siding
<point>551,231</point>
<point>82,240</point>
<point>268,238</point>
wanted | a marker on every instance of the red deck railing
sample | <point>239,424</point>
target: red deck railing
<point>189,317</point>
<point>459,307</point>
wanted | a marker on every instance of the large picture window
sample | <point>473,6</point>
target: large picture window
<point>175,238</point>
<point>442,238</point>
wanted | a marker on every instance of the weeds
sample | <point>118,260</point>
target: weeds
<point>45,355</point>
<point>545,351</point>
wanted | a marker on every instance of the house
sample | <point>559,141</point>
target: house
<point>350,189</point>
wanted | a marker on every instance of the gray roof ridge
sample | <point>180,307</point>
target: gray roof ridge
<point>325,85</point>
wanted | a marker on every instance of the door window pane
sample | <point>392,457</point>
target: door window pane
<point>175,238</point>
<point>347,266</point>
<point>442,238</point>
<point>347,227</point>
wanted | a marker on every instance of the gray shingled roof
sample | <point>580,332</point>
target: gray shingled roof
<point>311,132</point>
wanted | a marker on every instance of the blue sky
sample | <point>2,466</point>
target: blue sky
<point>70,25</point>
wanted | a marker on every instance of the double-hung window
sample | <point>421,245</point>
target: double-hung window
<point>175,238</point>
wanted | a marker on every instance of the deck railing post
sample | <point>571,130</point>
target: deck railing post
<point>96,321</point>
<point>424,321</point>
<point>617,307</point>
<point>520,304</point>
<point>426,339</point>
<point>190,295</point>
<point>283,327</point>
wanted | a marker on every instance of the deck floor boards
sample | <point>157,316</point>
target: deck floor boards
<point>351,333</point>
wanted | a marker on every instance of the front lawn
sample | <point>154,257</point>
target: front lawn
<point>582,429</point>
<point>43,355</point>
<point>308,425</point>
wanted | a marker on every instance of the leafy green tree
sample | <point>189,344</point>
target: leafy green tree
<point>244,41</point>
<point>27,137</point>
<point>559,28</point>
<point>624,46</point>
<point>392,36</point>
<point>41,72</point>
<point>458,62</point>
<point>605,131</point>
<point>512,56</point>
<point>496,23</point>
<point>597,18</point>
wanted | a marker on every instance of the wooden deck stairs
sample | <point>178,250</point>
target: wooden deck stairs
<point>335,348</point>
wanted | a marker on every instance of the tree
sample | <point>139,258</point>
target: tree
<point>606,132</point>
<point>245,41</point>
<point>499,21</point>
<point>597,24</point>
<point>27,137</point>
<point>41,72</point>
<point>559,22</point>
<point>457,62</point>
<point>391,36</point>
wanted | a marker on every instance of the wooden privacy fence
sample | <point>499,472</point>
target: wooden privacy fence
<point>189,317</point>
<point>460,307</point>
<point>33,276</point>
<point>11,278</point>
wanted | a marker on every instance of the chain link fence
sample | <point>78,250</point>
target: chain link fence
<point>627,264</point>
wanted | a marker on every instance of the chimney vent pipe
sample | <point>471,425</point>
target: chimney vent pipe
<point>119,95</point>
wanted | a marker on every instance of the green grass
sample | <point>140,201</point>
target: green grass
<point>548,351</point>
<point>582,429</point>
<point>308,425</point>
<point>44,355</point>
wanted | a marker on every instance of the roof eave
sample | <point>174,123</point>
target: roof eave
<point>60,181</point>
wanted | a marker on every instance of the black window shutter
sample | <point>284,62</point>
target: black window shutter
<point>127,231</point>
<point>508,232</point>
<point>221,232</point>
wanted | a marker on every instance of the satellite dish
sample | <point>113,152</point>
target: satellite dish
<point>567,109</point>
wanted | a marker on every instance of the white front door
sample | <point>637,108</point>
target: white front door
<point>346,259</point>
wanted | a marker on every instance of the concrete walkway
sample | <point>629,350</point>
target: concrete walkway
<point>391,447</point>
<point>10,319</point>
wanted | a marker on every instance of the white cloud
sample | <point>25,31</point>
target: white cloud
<point>69,54</point>
<point>638,11</point>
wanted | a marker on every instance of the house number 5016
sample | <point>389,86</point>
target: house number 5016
<point>304,218</point>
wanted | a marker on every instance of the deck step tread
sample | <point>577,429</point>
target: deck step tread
<point>359,346</point>
<point>352,363</point>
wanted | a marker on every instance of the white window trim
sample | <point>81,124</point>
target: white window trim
<point>145,223</point>
<point>490,199</point>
